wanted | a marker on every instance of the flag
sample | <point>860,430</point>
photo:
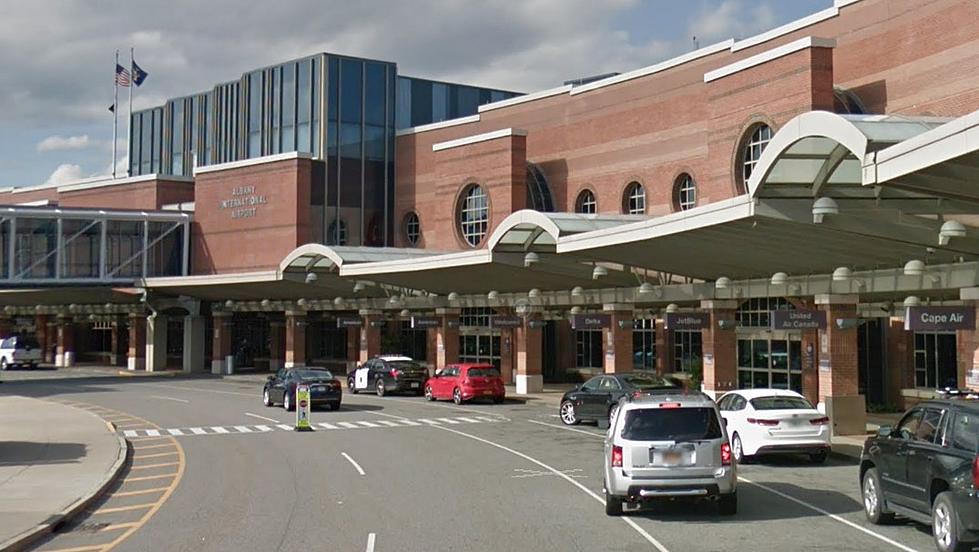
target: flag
<point>139,75</point>
<point>122,76</point>
<point>112,108</point>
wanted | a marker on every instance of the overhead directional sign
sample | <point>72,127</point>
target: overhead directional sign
<point>687,320</point>
<point>940,318</point>
<point>590,321</point>
<point>801,319</point>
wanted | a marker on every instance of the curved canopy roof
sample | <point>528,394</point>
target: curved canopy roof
<point>529,230</point>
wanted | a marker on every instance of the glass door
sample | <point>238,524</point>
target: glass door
<point>934,360</point>
<point>480,347</point>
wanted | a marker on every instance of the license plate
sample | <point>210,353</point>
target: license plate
<point>488,392</point>
<point>414,385</point>
<point>672,458</point>
<point>319,388</point>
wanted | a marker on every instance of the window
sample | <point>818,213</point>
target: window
<point>685,192</point>
<point>644,344</point>
<point>770,363</point>
<point>480,348</point>
<point>337,233</point>
<point>966,432</point>
<point>412,228</point>
<point>588,347</point>
<point>538,192</point>
<point>909,425</point>
<point>928,428</point>
<point>757,138</point>
<point>609,384</point>
<point>671,424</point>
<point>781,403</point>
<point>935,362</point>
<point>755,313</point>
<point>586,203</point>
<point>687,353</point>
<point>473,214</point>
<point>634,201</point>
<point>475,317</point>
<point>593,384</point>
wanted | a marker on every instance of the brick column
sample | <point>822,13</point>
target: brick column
<point>719,347</point>
<point>136,357</point>
<point>529,346</point>
<point>662,348</point>
<point>44,337</point>
<point>447,338</point>
<point>277,337</point>
<point>295,339</point>
<point>65,354</point>
<point>967,343</point>
<point>6,326</point>
<point>353,348</point>
<point>899,371</point>
<point>617,339</point>
<point>221,356</point>
<point>370,334</point>
<point>193,340</point>
<point>838,373</point>
<point>52,351</point>
<point>810,365</point>
<point>115,341</point>
<point>431,349</point>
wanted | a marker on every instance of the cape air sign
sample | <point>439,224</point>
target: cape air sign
<point>940,318</point>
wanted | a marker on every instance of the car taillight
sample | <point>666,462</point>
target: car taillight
<point>975,473</point>
<point>395,373</point>
<point>725,454</point>
<point>763,422</point>
<point>820,421</point>
<point>669,405</point>
<point>616,457</point>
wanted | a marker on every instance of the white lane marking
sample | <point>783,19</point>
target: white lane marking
<point>490,419</point>
<point>424,404</point>
<point>243,429</point>
<point>470,420</point>
<point>325,425</point>
<point>370,542</point>
<point>261,417</point>
<point>829,515</point>
<point>286,427</point>
<point>389,423</point>
<point>263,428</point>
<point>562,475</point>
<point>219,429</point>
<point>198,431</point>
<point>354,463</point>
<point>175,432</point>
<point>367,424</point>
<point>182,388</point>
<point>429,422</point>
<point>129,433</point>
<point>449,421</point>
<point>169,399</point>
<point>347,425</point>
<point>153,432</point>
<point>586,432</point>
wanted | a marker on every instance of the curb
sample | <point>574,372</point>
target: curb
<point>24,540</point>
<point>137,374</point>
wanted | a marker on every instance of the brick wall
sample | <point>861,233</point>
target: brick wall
<point>152,195</point>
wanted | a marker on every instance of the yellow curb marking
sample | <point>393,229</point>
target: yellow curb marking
<point>155,466</point>
<point>142,492</point>
<point>124,508</point>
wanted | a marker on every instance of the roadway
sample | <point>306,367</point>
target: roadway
<point>399,473</point>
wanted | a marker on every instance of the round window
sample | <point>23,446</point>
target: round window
<point>412,228</point>
<point>634,199</point>
<point>473,214</point>
<point>685,192</point>
<point>752,147</point>
<point>586,203</point>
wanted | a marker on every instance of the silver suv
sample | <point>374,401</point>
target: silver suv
<point>668,444</point>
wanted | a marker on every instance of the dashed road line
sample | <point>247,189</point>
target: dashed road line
<point>370,542</point>
<point>273,420</point>
<point>169,399</point>
<point>586,432</point>
<point>354,463</point>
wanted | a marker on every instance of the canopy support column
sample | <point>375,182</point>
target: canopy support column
<point>295,339</point>
<point>156,342</point>
<point>617,339</point>
<point>839,394</point>
<point>221,358</point>
<point>447,338</point>
<point>136,359</point>
<point>370,334</point>
<point>530,378</point>
<point>719,347</point>
<point>65,355</point>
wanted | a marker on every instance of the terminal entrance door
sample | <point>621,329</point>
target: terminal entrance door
<point>870,360</point>
<point>480,347</point>
<point>934,360</point>
<point>549,352</point>
<point>770,360</point>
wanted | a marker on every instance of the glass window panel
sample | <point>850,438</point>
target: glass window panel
<point>744,353</point>
<point>164,257</point>
<point>744,379</point>
<point>795,382</point>
<point>780,354</point>
<point>759,379</point>
<point>4,248</point>
<point>315,124</point>
<point>289,107</point>
<point>795,355</point>
<point>34,248</point>
<point>255,115</point>
<point>146,147</point>
<point>80,257</point>
<point>759,354</point>
<point>124,243</point>
<point>351,90</point>
<point>780,380</point>
<point>177,135</point>
<point>304,107</point>
<point>157,139</point>
<point>376,80</point>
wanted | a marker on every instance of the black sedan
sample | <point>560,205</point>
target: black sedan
<point>323,388</point>
<point>595,399</point>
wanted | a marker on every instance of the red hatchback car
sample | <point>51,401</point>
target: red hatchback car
<point>464,382</point>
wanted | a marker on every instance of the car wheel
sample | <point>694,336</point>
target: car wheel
<point>3,364</point>
<point>945,525</point>
<point>613,505</point>
<point>819,457</point>
<point>428,393</point>
<point>568,415</point>
<point>873,499</point>
<point>351,386</point>
<point>380,388</point>
<point>266,399</point>
<point>727,505</point>
<point>457,396</point>
<point>737,449</point>
<point>287,401</point>
<point>497,400</point>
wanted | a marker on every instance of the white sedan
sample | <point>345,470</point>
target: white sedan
<point>774,421</point>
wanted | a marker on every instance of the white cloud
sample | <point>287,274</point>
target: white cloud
<point>731,19</point>
<point>64,174</point>
<point>58,143</point>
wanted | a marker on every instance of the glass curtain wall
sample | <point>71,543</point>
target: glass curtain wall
<point>422,101</point>
<point>146,147</point>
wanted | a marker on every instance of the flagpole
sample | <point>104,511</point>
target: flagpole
<point>115,113</point>
<point>129,132</point>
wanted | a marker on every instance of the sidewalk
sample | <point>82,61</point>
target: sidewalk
<point>54,460</point>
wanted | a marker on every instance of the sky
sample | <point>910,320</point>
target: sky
<point>57,56</point>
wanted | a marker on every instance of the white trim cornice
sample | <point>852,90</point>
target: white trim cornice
<point>769,55</point>
<point>475,139</point>
<point>436,126</point>
<point>252,162</point>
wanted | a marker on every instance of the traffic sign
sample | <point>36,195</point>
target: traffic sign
<point>302,408</point>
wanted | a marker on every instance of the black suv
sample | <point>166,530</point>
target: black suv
<point>927,469</point>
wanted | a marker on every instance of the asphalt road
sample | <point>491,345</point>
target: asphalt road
<point>401,474</point>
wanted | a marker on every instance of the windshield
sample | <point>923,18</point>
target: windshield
<point>313,374</point>
<point>648,382</point>
<point>484,373</point>
<point>781,403</point>
<point>25,342</point>
<point>671,424</point>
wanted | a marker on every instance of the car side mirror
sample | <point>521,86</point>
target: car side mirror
<point>884,431</point>
<point>271,378</point>
<point>724,422</point>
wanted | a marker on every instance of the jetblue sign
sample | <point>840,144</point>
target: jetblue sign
<point>687,320</point>
<point>940,318</point>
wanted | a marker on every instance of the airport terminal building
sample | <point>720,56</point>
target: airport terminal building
<point>797,209</point>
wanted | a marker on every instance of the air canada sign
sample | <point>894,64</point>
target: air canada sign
<point>244,202</point>
<point>798,319</point>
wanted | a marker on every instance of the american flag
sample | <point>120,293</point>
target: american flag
<point>122,76</point>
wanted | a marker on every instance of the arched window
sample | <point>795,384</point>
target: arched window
<point>336,234</point>
<point>586,203</point>
<point>847,102</point>
<point>752,146</point>
<point>473,214</point>
<point>538,192</point>
<point>634,199</point>
<point>684,192</point>
<point>412,228</point>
